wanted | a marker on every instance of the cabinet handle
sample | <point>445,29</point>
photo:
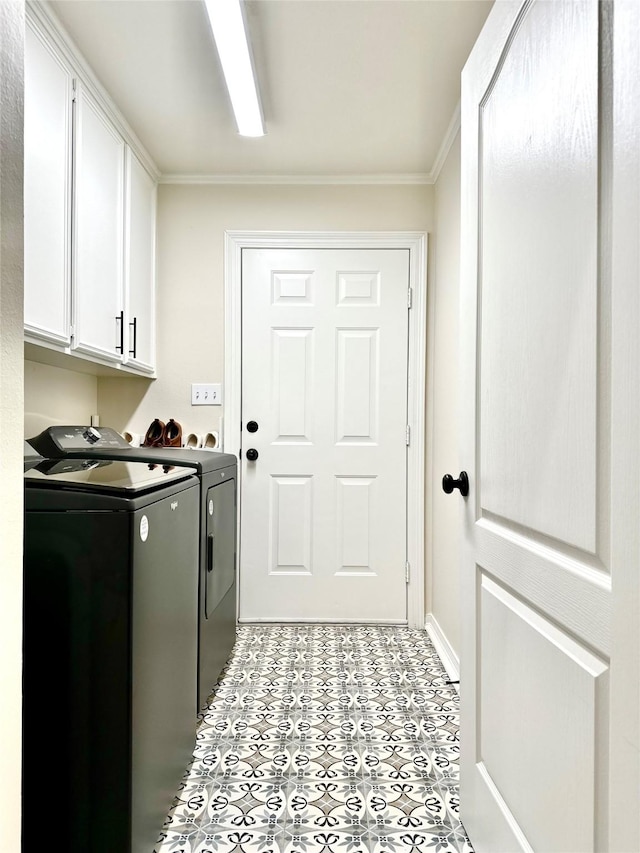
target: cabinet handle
<point>120,332</point>
<point>135,337</point>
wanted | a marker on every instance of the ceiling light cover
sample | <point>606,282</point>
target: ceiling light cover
<point>229,31</point>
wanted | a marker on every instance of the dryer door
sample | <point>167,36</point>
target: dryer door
<point>221,537</point>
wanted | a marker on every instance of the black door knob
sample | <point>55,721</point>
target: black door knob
<point>462,483</point>
<point>252,426</point>
<point>252,454</point>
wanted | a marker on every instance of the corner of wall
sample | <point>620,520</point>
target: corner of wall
<point>443,523</point>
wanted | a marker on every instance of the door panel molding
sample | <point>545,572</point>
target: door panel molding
<point>572,729</point>
<point>416,244</point>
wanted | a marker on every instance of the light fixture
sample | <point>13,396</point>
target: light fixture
<point>229,31</point>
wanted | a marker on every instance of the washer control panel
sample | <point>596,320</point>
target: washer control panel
<point>58,441</point>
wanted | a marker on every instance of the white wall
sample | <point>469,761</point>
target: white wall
<point>11,400</point>
<point>443,537</point>
<point>191,225</point>
<point>53,395</point>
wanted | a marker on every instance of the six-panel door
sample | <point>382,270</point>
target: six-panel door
<point>324,376</point>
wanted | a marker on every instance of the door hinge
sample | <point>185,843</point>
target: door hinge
<point>72,332</point>
<point>408,436</point>
<point>407,571</point>
<point>410,298</point>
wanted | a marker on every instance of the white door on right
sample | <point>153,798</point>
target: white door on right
<point>550,326</point>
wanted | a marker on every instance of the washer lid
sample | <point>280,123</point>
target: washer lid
<point>96,475</point>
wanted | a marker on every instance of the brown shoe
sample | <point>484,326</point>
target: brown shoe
<point>172,436</point>
<point>154,435</point>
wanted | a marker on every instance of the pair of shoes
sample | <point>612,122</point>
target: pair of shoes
<point>163,435</point>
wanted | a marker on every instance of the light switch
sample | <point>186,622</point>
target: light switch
<point>206,394</point>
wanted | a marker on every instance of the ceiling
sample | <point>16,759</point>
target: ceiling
<point>349,88</point>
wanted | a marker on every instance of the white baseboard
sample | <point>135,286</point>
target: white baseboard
<point>449,658</point>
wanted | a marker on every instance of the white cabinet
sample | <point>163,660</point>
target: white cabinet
<point>90,207</point>
<point>98,216</point>
<point>47,191</point>
<point>140,231</point>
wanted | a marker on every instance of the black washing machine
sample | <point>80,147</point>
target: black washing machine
<point>217,474</point>
<point>110,650</point>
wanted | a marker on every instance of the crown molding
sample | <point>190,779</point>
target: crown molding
<point>299,180</point>
<point>445,146</point>
<point>403,179</point>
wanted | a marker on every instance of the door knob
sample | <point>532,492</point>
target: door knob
<point>462,483</point>
<point>252,426</point>
<point>252,454</point>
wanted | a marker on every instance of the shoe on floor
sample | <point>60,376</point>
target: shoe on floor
<point>172,434</point>
<point>154,435</point>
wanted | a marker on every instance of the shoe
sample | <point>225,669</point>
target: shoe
<point>172,435</point>
<point>154,435</point>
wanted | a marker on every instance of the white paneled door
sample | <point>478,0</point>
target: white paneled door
<point>324,416</point>
<point>549,664</point>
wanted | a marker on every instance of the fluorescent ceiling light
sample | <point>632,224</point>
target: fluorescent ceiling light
<point>228,27</point>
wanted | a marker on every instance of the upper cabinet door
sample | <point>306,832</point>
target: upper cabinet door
<point>140,234</point>
<point>99,232</point>
<point>47,196</point>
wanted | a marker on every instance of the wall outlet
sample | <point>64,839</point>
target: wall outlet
<point>206,394</point>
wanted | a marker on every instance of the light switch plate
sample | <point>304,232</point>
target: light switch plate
<point>206,394</point>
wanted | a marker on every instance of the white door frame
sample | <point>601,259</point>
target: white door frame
<point>416,243</point>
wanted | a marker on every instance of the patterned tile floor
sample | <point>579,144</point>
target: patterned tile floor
<point>324,739</point>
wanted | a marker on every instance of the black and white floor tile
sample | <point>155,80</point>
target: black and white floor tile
<point>324,739</point>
